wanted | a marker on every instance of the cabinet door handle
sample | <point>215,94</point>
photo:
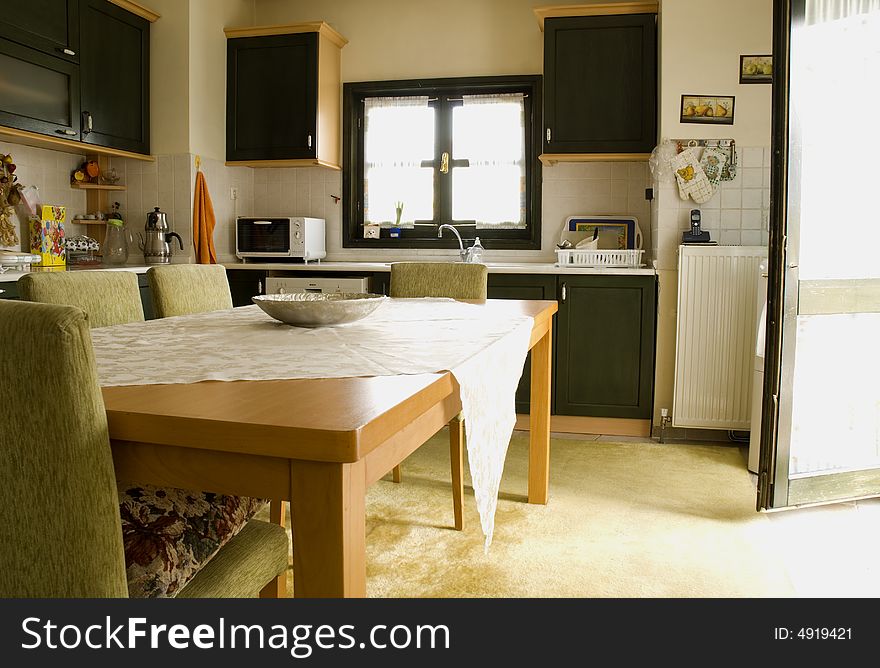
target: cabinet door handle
<point>548,135</point>
<point>444,163</point>
<point>87,122</point>
<point>259,287</point>
<point>68,52</point>
<point>69,133</point>
<point>310,141</point>
<point>563,293</point>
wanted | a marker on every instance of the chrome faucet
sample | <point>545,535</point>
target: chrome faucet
<point>463,254</point>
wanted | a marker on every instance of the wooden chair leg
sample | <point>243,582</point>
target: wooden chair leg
<point>456,457</point>
<point>395,474</point>
<point>277,587</point>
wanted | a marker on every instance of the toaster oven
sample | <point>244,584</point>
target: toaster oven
<point>268,237</point>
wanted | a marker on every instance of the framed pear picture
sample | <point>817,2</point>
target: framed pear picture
<point>708,109</point>
<point>755,69</point>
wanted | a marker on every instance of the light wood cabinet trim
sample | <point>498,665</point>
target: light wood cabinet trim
<point>269,164</point>
<point>329,112</point>
<point>551,159</point>
<point>137,9</point>
<point>574,424</point>
<point>605,9</point>
<point>319,27</point>
<point>37,140</point>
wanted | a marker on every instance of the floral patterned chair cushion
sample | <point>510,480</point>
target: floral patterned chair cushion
<point>169,534</point>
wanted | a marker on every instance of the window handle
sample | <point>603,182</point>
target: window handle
<point>444,163</point>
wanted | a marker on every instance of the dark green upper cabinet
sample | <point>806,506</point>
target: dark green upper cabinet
<point>50,26</point>
<point>272,97</point>
<point>606,328</point>
<point>115,77</point>
<point>600,84</point>
<point>38,92</point>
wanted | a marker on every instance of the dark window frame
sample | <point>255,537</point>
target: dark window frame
<point>425,237</point>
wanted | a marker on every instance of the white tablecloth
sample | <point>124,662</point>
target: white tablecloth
<point>485,353</point>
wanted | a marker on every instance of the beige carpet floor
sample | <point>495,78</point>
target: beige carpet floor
<point>624,520</point>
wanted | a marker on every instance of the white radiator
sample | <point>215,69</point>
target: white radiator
<point>715,337</point>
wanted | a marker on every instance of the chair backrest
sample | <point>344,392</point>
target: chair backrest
<point>60,511</point>
<point>107,297</point>
<point>456,280</point>
<point>181,289</point>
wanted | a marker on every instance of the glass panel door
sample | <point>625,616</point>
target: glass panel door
<point>828,430</point>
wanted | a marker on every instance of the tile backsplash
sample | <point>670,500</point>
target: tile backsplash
<point>737,214</point>
<point>569,189</point>
<point>50,172</point>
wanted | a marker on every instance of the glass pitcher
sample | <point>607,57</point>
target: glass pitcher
<point>116,242</point>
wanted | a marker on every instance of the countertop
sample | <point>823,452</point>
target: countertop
<point>10,276</point>
<point>493,267</point>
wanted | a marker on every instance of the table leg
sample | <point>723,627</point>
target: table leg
<point>328,524</point>
<point>539,420</point>
<point>456,458</point>
<point>277,588</point>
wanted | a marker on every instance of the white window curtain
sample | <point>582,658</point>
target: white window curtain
<point>398,137</point>
<point>823,11</point>
<point>489,132</point>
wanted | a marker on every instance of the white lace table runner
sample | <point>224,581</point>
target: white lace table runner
<point>483,351</point>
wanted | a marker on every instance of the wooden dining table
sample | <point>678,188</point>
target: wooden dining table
<point>317,443</point>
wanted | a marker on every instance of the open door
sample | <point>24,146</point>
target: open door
<point>820,438</point>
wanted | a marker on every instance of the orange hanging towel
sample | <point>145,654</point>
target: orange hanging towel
<point>203,223</point>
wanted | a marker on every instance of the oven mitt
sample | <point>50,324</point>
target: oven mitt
<point>692,180</point>
<point>713,163</point>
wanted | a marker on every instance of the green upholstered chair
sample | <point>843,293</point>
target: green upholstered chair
<point>107,297</point>
<point>185,289</point>
<point>456,280</point>
<point>62,531</point>
<point>182,289</point>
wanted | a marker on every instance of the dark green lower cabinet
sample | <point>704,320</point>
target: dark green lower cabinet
<point>10,290</point>
<point>146,297</point>
<point>244,284</point>
<point>520,286</point>
<point>605,346</point>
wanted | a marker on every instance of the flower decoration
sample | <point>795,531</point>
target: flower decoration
<point>10,196</point>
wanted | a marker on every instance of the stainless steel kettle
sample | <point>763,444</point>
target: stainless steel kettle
<point>156,242</point>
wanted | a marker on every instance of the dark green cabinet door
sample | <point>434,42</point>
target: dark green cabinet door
<point>605,363</point>
<point>115,73</point>
<point>520,286</point>
<point>10,290</point>
<point>600,84</point>
<point>50,26</point>
<point>146,297</point>
<point>272,97</point>
<point>244,284</point>
<point>380,283</point>
<point>38,92</point>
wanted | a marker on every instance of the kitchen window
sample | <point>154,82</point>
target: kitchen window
<point>419,154</point>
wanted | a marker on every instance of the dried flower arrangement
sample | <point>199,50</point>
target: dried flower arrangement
<point>10,196</point>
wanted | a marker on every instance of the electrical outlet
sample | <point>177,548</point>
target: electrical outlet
<point>233,193</point>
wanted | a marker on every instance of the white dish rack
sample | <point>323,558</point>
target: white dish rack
<point>599,258</point>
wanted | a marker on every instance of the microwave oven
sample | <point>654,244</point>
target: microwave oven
<point>268,237</point>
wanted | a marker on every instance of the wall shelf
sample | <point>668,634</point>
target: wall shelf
<point>95,186</point>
